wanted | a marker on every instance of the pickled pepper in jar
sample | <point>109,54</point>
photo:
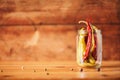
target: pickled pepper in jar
<point>89,46</point>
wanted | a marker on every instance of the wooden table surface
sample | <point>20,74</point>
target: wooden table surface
<point>110,70</point>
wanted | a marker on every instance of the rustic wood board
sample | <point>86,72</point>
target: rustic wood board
<point>110,70</point>
<point>16,12</point>
<point>57,40</point>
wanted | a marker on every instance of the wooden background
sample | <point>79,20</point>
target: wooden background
<point>57,24</point>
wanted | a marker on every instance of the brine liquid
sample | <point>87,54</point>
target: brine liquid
<point>95,59</point>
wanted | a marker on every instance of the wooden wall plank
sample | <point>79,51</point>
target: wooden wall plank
<point>55,42</point>
<point>59,11</point>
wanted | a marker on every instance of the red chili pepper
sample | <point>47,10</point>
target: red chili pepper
<point>94,54</point>
<point>87,50</point>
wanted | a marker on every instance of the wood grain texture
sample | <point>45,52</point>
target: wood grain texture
<point>55,42</point>
<point>14,12</point>
<point>110,70</point>
<point>56,21</point>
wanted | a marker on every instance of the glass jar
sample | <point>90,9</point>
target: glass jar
<point>94,57</point>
